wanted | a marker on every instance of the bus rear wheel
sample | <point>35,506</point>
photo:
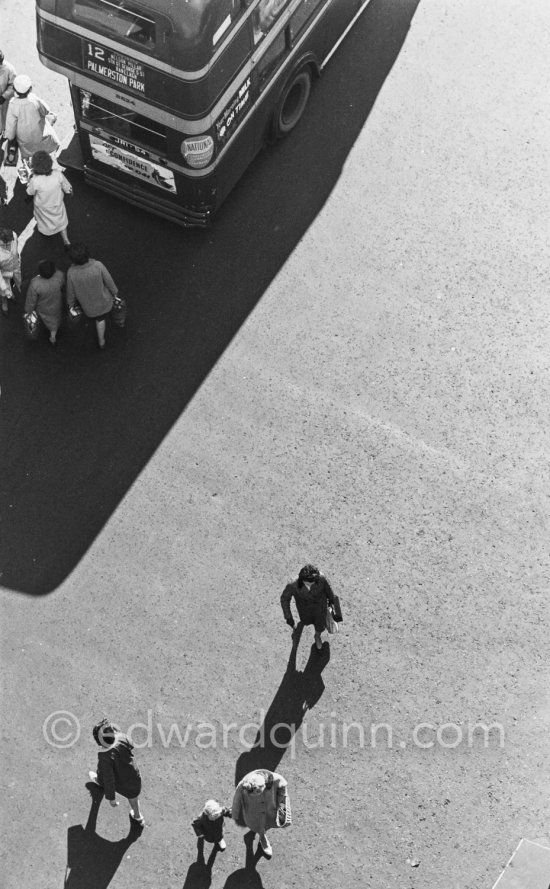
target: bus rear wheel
<point>292,103</point>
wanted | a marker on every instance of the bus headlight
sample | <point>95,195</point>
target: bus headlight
<point>198,152</point>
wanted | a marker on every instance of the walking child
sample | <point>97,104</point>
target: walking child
<point>209,824</point>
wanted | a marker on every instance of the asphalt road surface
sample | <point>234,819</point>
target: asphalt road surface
<point>87,424</point>
<point>351,368</point>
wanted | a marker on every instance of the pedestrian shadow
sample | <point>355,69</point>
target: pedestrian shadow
<point>92,861</point>
<point>298,692</point>
<point>199,875</point>
<point>246,877</point>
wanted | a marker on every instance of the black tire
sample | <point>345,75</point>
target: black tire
<point>292,103</point>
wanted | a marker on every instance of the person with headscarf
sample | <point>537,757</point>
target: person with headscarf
<point>312,594</point>
<point>29,122</point>
<point>45,297</point>
<point>10,266</point>
<point>116,769</point>
<point>261,802</point>
<point>7,76</point>
<point>48,188</point>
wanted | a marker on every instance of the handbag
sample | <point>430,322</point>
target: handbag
<point>284,814</point>
<point>119,310</point>
<point>330,623</point>
<point>75,315</point>
<point>32,325</point>
<point>337,611</point>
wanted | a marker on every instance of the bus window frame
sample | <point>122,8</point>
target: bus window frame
<point>162,26</point>
<point>105,125</point>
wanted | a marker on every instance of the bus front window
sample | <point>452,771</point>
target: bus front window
<point>102,114</point>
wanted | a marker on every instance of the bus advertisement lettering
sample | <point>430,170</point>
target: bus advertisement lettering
<point>113,66</point>
<point>142,168</point>
<point>228,122</point>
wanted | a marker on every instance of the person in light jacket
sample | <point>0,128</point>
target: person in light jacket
<point>48,188</point>
<point>261,802</point>
<point>90,284</point>
<point>7,76</point>
<point>29,122</point>
<point>10,266</point>
<point>312,594</point>
<point>116,770</point>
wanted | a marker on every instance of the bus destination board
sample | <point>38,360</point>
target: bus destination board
<point>114,67</point>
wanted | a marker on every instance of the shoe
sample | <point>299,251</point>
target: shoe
<point>93,778</point>
<point>101,345</point>
<point>266,846</point>
<point>4,306</point>
<point>140,820</point>
<point>222,845</point>
<point>66,247</point>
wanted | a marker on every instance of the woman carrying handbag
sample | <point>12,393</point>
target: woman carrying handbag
<point>313,596</point>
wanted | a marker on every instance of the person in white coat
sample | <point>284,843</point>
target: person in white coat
<point>48,187</point>
<point>29,122</point>
<point>7,76</point>
<point>10,267</point>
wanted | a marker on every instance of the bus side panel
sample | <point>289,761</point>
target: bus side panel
<point>237,158</point>
<point>337,18</point>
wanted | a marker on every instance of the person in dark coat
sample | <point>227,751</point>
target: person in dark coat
<point>312,595</point>
<point>116,770</point>
<point>209,824</point>
<point>45,297</point>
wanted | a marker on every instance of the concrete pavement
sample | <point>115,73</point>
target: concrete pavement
<point>383,411</point>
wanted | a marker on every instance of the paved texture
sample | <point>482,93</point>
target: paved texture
<point>384,411</point>
<point>528,867</point>
<point>102,419</point>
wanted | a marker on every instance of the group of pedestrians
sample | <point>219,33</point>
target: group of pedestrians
<point>26,124</point>
<point>261,800</point>
<point>87,288</point>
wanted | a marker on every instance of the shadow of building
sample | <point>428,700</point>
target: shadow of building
<point>95,421</point>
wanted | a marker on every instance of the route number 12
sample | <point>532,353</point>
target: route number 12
<point>96,52</point>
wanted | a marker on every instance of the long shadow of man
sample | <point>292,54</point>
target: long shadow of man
<point>298,692</point>
<point>92,861</point>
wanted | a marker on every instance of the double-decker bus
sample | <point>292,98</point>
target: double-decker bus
<point>173,98</point>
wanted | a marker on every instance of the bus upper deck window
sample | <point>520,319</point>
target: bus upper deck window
<point>121,19</point>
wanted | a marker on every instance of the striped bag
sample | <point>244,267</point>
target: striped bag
<point>284,813</point>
